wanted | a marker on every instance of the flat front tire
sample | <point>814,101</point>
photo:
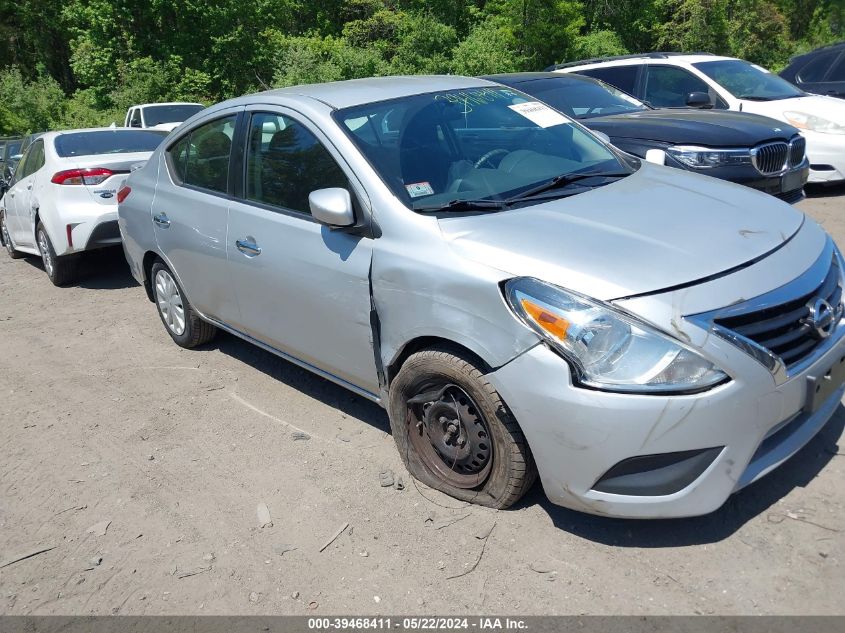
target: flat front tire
<point>181,321</point>
<point>61,270</point>
<point>455,433</point>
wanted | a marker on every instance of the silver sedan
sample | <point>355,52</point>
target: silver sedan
<point>521,297</point>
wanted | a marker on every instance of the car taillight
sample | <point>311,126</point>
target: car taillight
<point>122,193</point>
<point>90,176</point>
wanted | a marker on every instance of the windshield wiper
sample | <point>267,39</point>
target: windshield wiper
<point>564,180</point>
<point>756,98</point>
<point>465,205</point>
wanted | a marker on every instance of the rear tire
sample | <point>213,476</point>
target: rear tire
<point>456,434</point>
<point>61,270</point>
<point>181,321</point>
<point>7,240</point>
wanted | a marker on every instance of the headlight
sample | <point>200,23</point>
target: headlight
<point>608,349</point>
<point>813,123</point>
<point>705,157</point>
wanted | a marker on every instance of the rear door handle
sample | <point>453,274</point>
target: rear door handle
<point>161,220</point>
<point>248,247</point>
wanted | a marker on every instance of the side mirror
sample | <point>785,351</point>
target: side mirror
<point>332,207</point>
<point>603,137</point>
<point>656,156</point>
<point>699,100</point>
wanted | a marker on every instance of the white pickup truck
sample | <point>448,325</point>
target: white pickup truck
<point>160,116</point>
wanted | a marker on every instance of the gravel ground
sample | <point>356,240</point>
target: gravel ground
<point>142,466</point>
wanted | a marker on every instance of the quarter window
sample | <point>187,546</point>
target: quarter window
<point>286,162</point>
<point>135,121</point>
<point>201,158</point>
<point>669,87</point>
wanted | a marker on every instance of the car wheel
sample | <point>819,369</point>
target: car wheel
<point>7,240</point>
<point>61,270</point>
<point>455,434</point>
<point>182,322</point>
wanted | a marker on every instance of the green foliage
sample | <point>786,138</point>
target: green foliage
<point>598,43</point>
<point>758,32</point>
<point>83,62</point>
<point>489,48</point>
<point>34,105</point>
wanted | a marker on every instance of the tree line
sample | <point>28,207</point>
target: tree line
<point>79,63</point>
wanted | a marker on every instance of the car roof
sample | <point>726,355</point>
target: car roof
<point>165,103</point>
<point>353,92</point>
<point>519,78</point>
<point>818,51</point>
<point>628,60</point>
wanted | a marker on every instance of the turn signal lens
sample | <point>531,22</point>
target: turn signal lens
<point>554,325</point>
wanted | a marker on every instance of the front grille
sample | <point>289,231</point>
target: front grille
<point>797,148</point>
<point>770,158</point>
<point>786,329</point>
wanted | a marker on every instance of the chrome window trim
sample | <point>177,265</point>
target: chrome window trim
<point>804,284</point>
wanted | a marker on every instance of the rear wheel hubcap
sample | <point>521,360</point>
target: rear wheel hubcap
<point>169,301</point>
<point>44,247</point>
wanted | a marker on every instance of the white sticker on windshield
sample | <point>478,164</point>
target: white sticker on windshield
<point>417,189</point>
<point>539,113</point>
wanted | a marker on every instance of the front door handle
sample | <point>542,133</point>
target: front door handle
<point>161,220</point>
<point>248,247</point>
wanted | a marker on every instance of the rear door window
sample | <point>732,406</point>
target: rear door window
<point>838,72</point>
<point>201,158</point>
<point>32,161</point>
<point>135,121</point>
<point>817,68</point>
<point>623,77</point>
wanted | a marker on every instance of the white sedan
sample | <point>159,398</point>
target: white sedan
<point>63,200</point>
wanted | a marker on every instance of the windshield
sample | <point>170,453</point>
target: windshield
<point>747,81</point>
<point>472,144</point>
<point>156,115</point>
<point>582,99</point>
<point>117,141</point>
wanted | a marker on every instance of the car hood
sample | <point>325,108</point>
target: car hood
<point>693,127</point>
<point>819,105</point>
<point>653,230</point>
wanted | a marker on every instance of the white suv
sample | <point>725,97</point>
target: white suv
<point>674,80</point>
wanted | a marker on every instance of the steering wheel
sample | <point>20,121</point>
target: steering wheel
<point>488,156</point>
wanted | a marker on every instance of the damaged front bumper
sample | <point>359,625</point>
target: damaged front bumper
<point>645,456</point>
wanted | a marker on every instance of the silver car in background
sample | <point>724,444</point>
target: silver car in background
<point>520,296</point>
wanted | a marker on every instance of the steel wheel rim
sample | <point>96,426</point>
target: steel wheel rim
<point>169,302</point>
<point>437,427</point>
<point>7,240</point>
<point>44,247</point>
